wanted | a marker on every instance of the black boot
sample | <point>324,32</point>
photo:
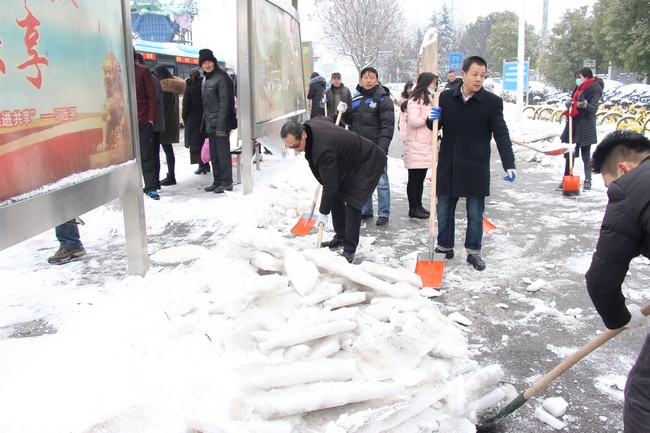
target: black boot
<point>201,170</point>
<point>417,213</point>
<point>169,180</point>
<point>424,210</point>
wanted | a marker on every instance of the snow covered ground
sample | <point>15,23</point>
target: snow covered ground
<point>240,327</point>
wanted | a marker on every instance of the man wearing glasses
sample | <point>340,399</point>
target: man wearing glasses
<point>348,167</point>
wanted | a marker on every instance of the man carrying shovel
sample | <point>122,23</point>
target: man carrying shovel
<point>348,167</point>
<point>623,159</point>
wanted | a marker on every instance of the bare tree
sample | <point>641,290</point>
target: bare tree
<point>367,32</point>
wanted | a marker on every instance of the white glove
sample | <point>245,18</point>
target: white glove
<point>638,319</point>
<point>342,107</point>
<point>322,219</point>
<point>512,175</point>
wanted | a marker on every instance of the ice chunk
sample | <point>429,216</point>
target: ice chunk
<point>286,338</point>
<point>345,299</point>
<point>393,275</point>
<point>303,273</point>
<point>556,406</point>
<point>547,418</point>
<point>456,425</point>
<point>459,318</point>
<point>306,398</point>
<point>537,285</point>
<point>268,376</point>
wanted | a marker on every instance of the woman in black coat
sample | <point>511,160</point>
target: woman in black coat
<point>192,115</point>
<point>172,87</point>
<point>582,108</point>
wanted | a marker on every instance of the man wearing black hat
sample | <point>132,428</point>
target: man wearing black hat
<point>219,118</point>
<point>334,94</point>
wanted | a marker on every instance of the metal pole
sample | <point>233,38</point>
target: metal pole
<point>520,59</point>
<point>245,107</point>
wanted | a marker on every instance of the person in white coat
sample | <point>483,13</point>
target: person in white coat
<point>417,147</point>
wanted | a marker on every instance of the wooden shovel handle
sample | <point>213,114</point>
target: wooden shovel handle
<point>434,166</point>
<point>575,357</point>
<point>521,143</point>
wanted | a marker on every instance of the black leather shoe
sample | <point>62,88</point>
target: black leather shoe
<point>417,213</point>
<point>586,186</point>
<point>424,210</point>
<point>476,261</point>
<point>333,244</point>
<point>223,188</point>
<point>211,188</point>
<point>348,256</point>
<point>382,221</point>
<point>448,254</point>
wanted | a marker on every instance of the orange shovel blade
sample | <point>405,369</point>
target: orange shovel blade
<point>555,152</point>
<point>303,226</point>
<point>431,272</point>
<point>571,185</point>
<point>488,226</point>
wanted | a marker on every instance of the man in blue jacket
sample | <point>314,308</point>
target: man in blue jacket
<point>623,159</point>
<point>469,116</point>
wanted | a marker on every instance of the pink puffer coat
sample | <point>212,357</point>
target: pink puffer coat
<point>403,124</point>
<point>417,148</point>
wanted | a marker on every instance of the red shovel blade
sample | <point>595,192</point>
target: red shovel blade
<point>304,225</point>
<point>431,272</point>
<point>488,226</point>
<point>555,152</point>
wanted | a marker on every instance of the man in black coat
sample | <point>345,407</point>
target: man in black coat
<point>317,86</point>
<point>347,165</point>
<point>469,117</point>
<point>623,159</point>
<point>372,115</point>
<point>219,118</point>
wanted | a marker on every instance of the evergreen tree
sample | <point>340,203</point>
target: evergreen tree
<point>503,42</point>
<point>448,37</point>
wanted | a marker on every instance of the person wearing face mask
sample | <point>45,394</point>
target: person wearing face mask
<point>417,146</point>
<point>582,108</point>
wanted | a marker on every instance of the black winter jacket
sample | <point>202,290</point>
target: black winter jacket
<point>372,115</point>
<point>468,127</point>
<point>217,92</point>
<point>192,116</point>
<point>346,96</point>
<point>624,234</point>
<point>346,164</point>
<point>172,88</point>
<point>584,125</point>
<point>315,95</point>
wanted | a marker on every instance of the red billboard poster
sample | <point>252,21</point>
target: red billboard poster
<point>64,107</point>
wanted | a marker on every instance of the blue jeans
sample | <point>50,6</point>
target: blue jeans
<point>446,208</point>
<point>383,197</point>
<point>68,236</point>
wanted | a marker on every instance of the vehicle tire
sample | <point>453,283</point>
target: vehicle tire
<point>557,115</point>
<point>545,113</point>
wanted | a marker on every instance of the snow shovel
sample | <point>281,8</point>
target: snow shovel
<point>570,183</point>
<point>553,152</point>
<point>431,265</point>
<point>556,372</point>
<point>488,226</point>
<point>307,220</point>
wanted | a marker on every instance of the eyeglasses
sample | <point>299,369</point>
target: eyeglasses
<point>293,146</point>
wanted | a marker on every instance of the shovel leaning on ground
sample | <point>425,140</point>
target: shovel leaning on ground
<point>570,183</point>
<point>431,265</point>
<point>556,372</point>
<point>553,152</point>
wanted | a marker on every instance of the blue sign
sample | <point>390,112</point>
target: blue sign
<point>510,76</point>
<point>456,62</point>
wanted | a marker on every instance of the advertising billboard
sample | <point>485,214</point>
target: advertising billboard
<point>277,67</point>
<point>63,101</point>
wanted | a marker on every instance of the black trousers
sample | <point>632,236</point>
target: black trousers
<point>148,158</point>
<point>586,159</point>
<point>220,158</point>
<point>156,151</point>
<point>415,186</point>
<point>346,220</point>
<point>171,159</point>
<point>636,408</point>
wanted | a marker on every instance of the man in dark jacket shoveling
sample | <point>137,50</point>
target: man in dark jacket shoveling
<point>623,159</point>
<point>347,165</point>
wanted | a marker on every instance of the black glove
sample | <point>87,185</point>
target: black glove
<point>582,102</point>
<point>567,104</point>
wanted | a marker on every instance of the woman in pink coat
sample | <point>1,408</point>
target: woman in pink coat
<point>417,147</point>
